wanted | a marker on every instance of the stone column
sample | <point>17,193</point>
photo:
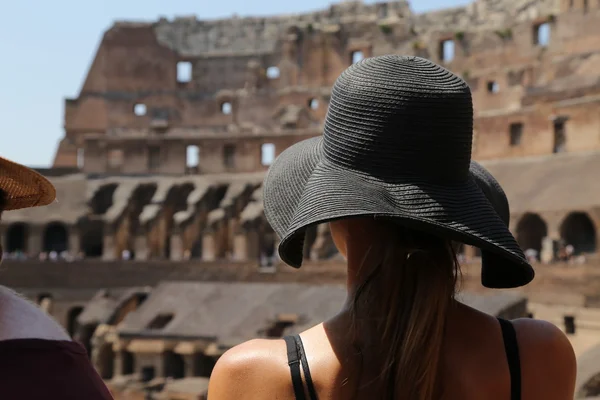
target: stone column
<point>208,246</point>
<point>547,254</point>
<point>240,247</point>
<point>118,364</point>
<point>34,239</point>
<point>109,252</point>
<point>140,245</point>
<point>74,240</point>
<point>189,365</point>
<point>176,246</point>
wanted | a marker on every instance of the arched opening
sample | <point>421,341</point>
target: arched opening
<point>16,238</point>
<point>531,231</point>
<point>192,158</point>
<point>578,231</point>
<point>55,238</point>
<point>226,108</point>
<point>106,361</point>
<point>72,323</point>
<point>203,365</point>
<point>267,249</point>
<point>92,238</point>
<point>127,363</point>
<point>174,365</point>
<point>267,154</point>
<point>103,199</point>
<point>356,56</point>
<point>196,251</point>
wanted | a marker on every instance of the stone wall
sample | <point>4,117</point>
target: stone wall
<point>251,82</point>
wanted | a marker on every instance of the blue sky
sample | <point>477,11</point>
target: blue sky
<point>47,46</point>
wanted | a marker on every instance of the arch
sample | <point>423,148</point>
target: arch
<point>56,237</point>
<point>92,238</point>
<point>72,323</point>
<point>267,153</point>
<point>578,230</point>
<point>103,198</point>
<point>192,157</point>
<point>127,363</point>
<point>174,365</point>
<point>16,238</point>
<point>531,230</point>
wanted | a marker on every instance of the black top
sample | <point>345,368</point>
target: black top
<point>296,356</point>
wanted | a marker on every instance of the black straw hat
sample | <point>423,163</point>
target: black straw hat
<point>396,144</point>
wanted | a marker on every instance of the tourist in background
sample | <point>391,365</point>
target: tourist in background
<point>38,359</point>
<point>392,176</point>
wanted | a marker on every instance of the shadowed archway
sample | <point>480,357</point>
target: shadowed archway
<point>531,231</point>
<point>578,230</point>
<point>56,237</point>
<point>16,238</point>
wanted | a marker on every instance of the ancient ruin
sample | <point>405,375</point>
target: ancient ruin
<point>167,143</point>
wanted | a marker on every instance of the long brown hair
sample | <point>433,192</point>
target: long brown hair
<point>402,307</point>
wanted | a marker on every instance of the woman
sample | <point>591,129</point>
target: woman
<point>38,360</point>
<point>392,175</point>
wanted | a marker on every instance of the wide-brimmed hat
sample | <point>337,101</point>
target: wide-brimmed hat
<point>24,187</point>
<point>396,144</point>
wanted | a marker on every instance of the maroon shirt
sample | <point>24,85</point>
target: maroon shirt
<point>32,369</point>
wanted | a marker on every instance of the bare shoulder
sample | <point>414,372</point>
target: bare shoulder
<point>547,358</point>
<point>256,369</point>
<point>21,319</point>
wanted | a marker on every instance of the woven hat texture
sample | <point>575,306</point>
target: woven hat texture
<point>396,144</point>
<point>25,187</point>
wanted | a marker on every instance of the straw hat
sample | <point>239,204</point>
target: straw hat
<point>396,145</point>
<point>24,187</point>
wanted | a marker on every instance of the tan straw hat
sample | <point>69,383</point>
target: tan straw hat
<point>24,187</point>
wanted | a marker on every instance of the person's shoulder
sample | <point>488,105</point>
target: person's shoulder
<point>255,369</point>
<point>21,319</point>
<point>546,353</point>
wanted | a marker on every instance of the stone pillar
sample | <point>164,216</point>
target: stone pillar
<point>35,235</point>
<point>208,247</point>
<point>140,247</point>
<point>547,254</point>
<point>240,247</point>
<point>176,247</point>
<point>109,252</point>
<point>74,240</point>
<point>118,364</point>
<point>188,359</point>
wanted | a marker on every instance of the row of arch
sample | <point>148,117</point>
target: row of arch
<point>577,230</point>
<point>55,238</point>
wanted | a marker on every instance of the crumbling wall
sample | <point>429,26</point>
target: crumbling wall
<point>231,85</point>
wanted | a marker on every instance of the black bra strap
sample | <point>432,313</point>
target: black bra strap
<point>294,363</point>
<point>312,393</point>
<point>511,346</point>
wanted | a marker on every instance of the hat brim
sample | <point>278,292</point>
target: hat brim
<point>303,189</point>
<point>24,187</point>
